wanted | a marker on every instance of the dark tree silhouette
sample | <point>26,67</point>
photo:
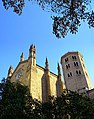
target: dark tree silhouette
<point>68,13</point>
<point>16,103</point>
<point>70,105</point>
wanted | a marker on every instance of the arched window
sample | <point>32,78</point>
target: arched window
<point>70,74</point>
<point>76,72</point>
<point>74,57</point>
<point>79,72</point>
<point>66,60</point>
<point>67,66</point>
<point>76,64</point>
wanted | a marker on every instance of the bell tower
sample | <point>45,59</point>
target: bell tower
<point>75,73</point>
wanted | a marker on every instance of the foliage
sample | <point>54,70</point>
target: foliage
<point>70,105</point>
<point>68,13</point>
<point>16,103</point>
<point>17,5</point>
<point>12,101</point>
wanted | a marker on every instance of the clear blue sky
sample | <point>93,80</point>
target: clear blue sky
<point>17,33</point>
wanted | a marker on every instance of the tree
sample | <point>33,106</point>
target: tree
<point>68,14</point>
<point>75,106</point>
<point>16,102</point>
<point>70,105</point>
<point>12,101</point>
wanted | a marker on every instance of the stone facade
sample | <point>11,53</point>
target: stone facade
<point>75,73</point>
<point>41,81</point>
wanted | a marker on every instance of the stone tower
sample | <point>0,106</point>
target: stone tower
<point>75,73</point>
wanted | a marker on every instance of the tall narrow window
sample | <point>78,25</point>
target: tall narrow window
<point>70,74</point>
<point>78,72</point>
<point>66,60</point>
<point>76,64</point>
<point>67,66</point>
<point>74,57</point>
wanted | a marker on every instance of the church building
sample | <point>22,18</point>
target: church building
<point>41,81</point>
<point>44,83</point>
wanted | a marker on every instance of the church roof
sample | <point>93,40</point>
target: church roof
<point>38,66</point>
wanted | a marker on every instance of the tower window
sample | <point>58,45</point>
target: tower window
<point>66,60</point>
<point>78,72</point>
<point>74,57</point>
<point>70,74</point>
<point>76,64</point>
<point>67,66</point>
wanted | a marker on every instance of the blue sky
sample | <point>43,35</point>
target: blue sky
<point>35,26</point>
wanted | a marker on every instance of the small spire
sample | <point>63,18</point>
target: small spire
<point>10,71</point>
<point>32,46</point>
<point>32,50</point>
<point>46,64</point>
<point>22,57</point>
<point>59,71</point>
